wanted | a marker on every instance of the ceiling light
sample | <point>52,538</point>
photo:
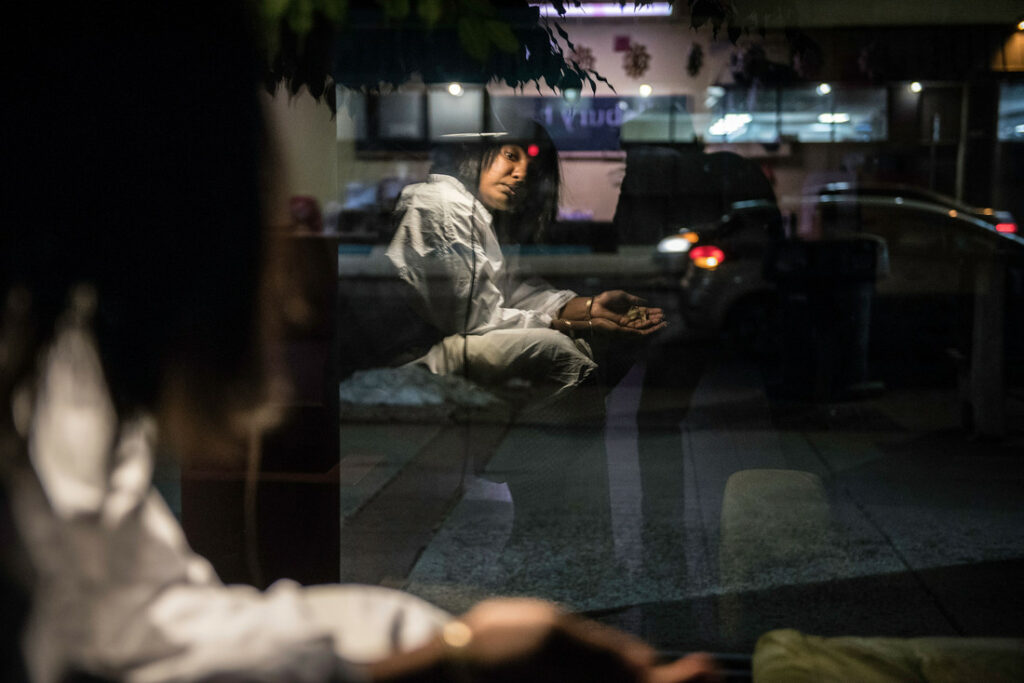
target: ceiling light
<point>834,118</point>
<point>603,10</point>
<point>729,124</point>
<point>455,89</point>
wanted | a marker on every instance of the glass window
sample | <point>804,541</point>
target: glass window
<point>400,116</point>
<point>1011,111</point>
<point>830,424</point>
<point>818,113</point>
<point>455,109</point>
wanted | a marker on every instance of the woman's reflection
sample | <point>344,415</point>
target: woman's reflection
<point>484,320</point>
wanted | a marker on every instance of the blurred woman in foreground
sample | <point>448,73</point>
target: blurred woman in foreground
<point>135,316</point>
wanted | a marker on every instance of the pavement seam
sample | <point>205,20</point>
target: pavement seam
<point>915,575</point>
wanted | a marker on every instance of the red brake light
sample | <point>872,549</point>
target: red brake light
<point>706,256</point>
<point>1010,228</point>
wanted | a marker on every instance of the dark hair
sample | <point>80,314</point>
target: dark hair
<point>132,163</point>
<point>539,209</point>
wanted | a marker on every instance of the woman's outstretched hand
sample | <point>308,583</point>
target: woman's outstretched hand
<point>626,310</point>
<point>532,640</point>
<point>632,329</point>
<point>605,330</point>
<point>611,314</point>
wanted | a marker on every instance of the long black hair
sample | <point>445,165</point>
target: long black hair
<point>466,158</point>
<point>133,163</point>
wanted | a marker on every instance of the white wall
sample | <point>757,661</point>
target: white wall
<point>592,185</point>
<point>307,159</point>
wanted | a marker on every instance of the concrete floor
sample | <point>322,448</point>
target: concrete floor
<point>704,513</point>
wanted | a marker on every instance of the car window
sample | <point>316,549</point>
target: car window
<point>908,231</point>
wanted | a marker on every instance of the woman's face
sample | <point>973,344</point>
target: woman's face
<point>502,184</point>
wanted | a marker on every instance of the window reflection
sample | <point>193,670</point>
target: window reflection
<point>844,311</point>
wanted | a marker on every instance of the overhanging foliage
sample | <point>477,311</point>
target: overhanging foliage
<point>367,44</point>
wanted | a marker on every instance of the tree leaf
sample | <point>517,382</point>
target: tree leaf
<point>565,36</point>
<point>501,35</point>
<point>334,10</point>
<point>429,11</point>
<point>300,17</point>
<point>481,7</point>
<point>474,39</point>
<point>395,9</point>
<point>604,80</point>
<point>273,10</point>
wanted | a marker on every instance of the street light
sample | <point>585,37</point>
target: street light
<point>824,88</point>
<point>645,90</point>
<point>915,87</point>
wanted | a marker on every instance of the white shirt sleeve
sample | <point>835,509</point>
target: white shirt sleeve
<point>536,294</point>
<point>118,591</point>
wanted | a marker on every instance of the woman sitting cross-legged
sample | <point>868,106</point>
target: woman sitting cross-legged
<point>487,321</point>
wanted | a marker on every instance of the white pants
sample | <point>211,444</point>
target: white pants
<point>539,355</point>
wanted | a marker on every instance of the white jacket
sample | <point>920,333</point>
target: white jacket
<point>444,235</point>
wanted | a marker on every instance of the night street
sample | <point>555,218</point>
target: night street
<point>705,514</point>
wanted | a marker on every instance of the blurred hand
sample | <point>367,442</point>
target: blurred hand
<point>626,310</point>
<point>532,640</point>
<point>514,640</point>
<point>635,329</point>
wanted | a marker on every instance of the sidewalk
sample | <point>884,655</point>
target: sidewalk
<point>888,519</point>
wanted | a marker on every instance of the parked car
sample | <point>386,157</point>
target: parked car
<point>720,269</point>
<point>1003,221</point>
<point>927,274</point>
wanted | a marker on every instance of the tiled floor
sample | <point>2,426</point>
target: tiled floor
<point>704,514</point>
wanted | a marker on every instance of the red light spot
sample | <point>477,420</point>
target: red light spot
<point>1007,227</point>
<point>533,150</point>
<point>707,251</point>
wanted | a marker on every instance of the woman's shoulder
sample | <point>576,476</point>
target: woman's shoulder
<point>437,192</point>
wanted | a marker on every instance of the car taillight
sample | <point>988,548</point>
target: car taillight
<point>706,256</point>
<point>1010,228</point>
